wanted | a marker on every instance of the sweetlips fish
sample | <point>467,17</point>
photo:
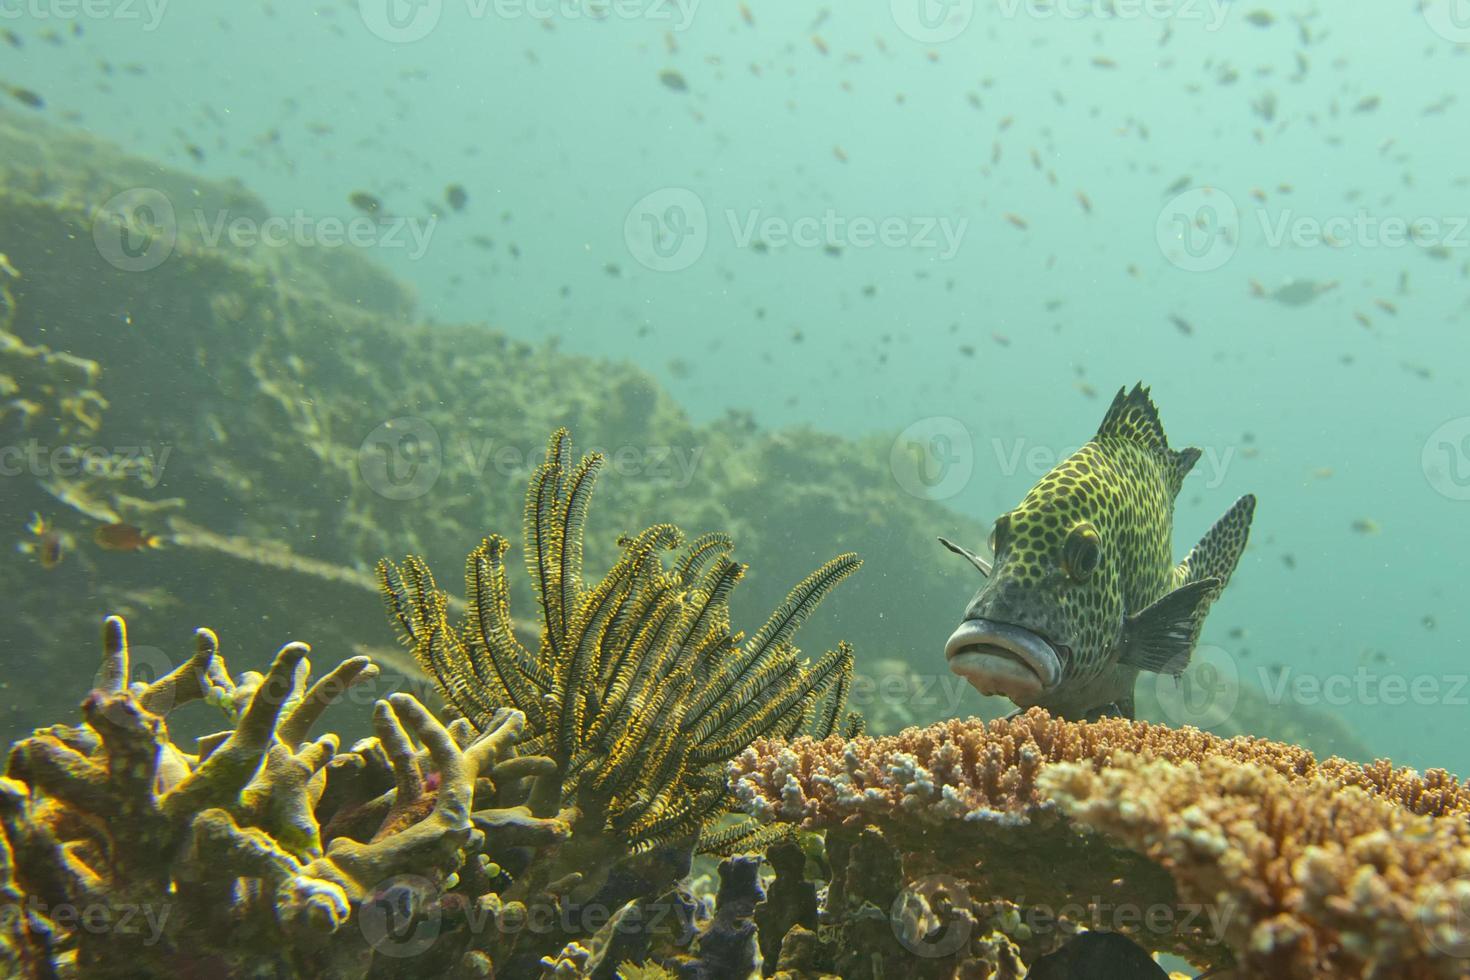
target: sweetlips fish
<point>1083,593</point>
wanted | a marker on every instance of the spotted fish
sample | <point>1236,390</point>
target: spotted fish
<point>1084,593</point>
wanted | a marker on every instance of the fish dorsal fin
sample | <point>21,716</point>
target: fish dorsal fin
<point>1181,462</point>
<point>1133,418</point>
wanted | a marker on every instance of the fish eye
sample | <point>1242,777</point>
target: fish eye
<point>1000,534</point>
<point>1081,552</point>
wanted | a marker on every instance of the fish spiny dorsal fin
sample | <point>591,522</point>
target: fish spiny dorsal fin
<point>1183,461</point>
<point>1133,418</point>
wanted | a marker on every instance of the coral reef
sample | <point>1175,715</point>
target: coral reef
<point>575,780</point>
<point>270,853</point>
<point>1301,868</point>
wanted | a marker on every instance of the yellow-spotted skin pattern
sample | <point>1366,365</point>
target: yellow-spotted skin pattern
<point>1090,545</point>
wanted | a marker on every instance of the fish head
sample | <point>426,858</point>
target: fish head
<point>1052,607</point>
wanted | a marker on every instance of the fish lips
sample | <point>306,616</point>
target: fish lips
<point>999,658</point>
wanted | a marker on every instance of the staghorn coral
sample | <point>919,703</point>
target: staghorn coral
<point>638,690</point>
<point>129,857</point>
<point>1299,868</point>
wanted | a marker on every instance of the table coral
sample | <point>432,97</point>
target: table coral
<point>1297,868</point>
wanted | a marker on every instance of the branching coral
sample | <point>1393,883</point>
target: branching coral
<point>638,690</point>
<point>139,859</point>
<point>1315,878</point>
<point>1299,868</point>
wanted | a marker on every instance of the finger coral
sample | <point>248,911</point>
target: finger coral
<point>1252,852</point>
<point>125,856</point>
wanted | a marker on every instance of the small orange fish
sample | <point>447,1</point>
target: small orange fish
<point>125,537</point>
<point>1016,220</point>
<point>49,545</point>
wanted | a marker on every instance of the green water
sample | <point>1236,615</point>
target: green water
<point>816,229</point>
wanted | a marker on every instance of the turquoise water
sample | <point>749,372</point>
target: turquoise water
<point>610,209</point>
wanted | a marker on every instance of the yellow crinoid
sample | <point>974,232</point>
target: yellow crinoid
<point>638,689</point>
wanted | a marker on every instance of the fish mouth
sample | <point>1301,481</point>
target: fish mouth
<point>999,658</point>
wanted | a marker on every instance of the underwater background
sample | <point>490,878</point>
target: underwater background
<point>864,271</point>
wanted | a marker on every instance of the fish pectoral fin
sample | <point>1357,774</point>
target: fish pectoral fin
<point>966,553</point>
<point>1161,637</point>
